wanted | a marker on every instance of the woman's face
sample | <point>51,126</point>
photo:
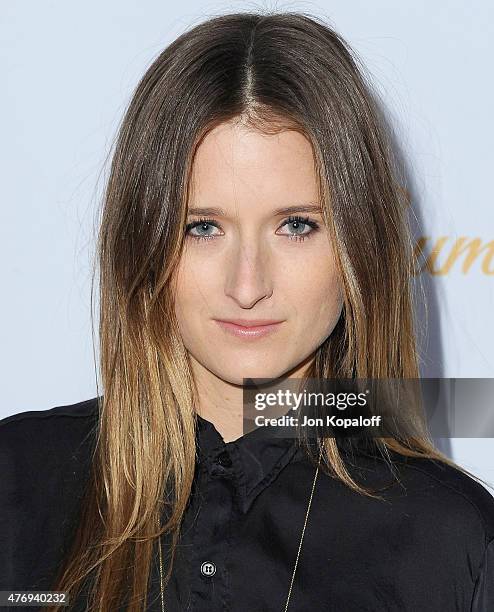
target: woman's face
<point>250,262</point>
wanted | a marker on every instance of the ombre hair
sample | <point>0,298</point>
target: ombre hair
<point>271,72</point>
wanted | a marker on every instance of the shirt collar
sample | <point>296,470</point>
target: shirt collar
<point>252,461</point>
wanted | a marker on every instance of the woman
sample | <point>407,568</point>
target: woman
<point>252,183</point>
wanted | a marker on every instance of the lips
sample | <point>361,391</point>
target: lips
<point>245,328</point>
<point>250,322</point>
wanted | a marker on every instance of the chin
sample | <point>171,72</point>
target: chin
<point>237,378</point>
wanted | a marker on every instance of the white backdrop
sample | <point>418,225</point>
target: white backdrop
<point>68,70</point>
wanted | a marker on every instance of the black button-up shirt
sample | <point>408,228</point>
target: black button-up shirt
<point>429,547</point>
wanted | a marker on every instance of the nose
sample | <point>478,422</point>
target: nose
<point>248,276</point>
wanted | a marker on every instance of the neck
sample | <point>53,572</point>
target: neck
<point>221,402</point>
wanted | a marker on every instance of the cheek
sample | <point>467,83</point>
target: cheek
<point>184,292</point>
<point>194,289</point>
<point>330,298</point>
<point>318,300</point>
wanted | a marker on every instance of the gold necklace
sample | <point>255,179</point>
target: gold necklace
<point>298,552</point>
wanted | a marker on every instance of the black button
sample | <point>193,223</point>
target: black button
<point>224,459</point>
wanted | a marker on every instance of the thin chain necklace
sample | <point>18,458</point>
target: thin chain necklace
<point>298,552</point>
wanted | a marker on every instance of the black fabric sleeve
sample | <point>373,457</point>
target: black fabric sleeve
<point>483,596</point>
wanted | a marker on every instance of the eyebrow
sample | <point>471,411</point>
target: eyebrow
<point>285,210</point>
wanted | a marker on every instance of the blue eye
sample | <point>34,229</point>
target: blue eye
<point>202,224</point>
<point>299,225</point>
<point>296,222</point>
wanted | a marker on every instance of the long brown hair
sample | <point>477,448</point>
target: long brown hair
<point>272,72</point>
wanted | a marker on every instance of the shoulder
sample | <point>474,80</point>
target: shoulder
<point>47,436</point>
<point>428,483</point>
<point>452,490</point>
<point>451,513</point>
<point>461,515</point>
<point>45,459</point>
<point>446,509</point>
<point>52,417</point>
<point>441,489</point>
<point>443,510</point>
<point>84,409</point>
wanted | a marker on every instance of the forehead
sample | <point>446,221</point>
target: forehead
<point>238,162</point>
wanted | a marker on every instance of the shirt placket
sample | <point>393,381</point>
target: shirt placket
<point>208,570</point>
